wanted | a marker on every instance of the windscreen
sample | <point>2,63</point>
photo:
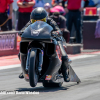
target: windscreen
<point>38,30</point>
<point>40,27</point>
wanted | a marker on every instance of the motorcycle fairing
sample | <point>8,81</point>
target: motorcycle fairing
<point>42,31</point>
<point>38,31</point>
<point>53,68</point>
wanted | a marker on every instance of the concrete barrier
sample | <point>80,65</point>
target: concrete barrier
<point>73,48</point>
<point>89,40</point>
<point>8,43</point>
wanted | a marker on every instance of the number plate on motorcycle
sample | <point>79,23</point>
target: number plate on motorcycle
<point>48,77</point>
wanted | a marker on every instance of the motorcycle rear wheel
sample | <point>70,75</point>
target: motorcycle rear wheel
<point>33,76</point>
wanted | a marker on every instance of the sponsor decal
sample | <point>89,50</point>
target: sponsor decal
<point>34,32</point>
<point>26,76</point>
<point>18,41</point>
<point>7,42</point>
<point>48,77</point>
<point>90,12</point>
<point>58,51</point>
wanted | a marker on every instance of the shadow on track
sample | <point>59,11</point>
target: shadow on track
<point>43,89</point>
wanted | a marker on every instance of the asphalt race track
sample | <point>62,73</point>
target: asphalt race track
<point>86,67</point>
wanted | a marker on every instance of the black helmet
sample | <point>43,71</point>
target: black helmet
<point>38,14</point>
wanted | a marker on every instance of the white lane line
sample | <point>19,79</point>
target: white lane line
<point>72,58</point>
<point>10,66</point>
<point>82,56</point>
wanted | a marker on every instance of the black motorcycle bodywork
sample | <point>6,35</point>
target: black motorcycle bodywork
<point>37,39</point>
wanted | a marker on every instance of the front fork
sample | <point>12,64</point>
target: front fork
<point>40,61</point>
<point>39,68</point>
<point>27,61</point>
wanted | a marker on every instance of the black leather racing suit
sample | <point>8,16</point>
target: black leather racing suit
<point>52,23</point>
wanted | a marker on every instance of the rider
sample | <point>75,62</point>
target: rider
<point>40,14</point>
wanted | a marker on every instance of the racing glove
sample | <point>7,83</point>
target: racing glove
<point>56,33</point>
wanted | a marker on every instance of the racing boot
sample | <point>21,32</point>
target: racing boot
<point>21,75</point>
<point>64,69</point>
<point>64,66</point>
<point>23,64</point>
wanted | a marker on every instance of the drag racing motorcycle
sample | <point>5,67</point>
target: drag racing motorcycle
<point>40,56</point>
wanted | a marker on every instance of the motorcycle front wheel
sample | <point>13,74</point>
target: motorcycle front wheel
<point>33,64</point>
